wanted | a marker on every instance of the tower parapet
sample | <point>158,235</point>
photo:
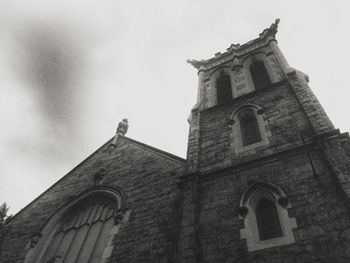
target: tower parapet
<point>236,62</point>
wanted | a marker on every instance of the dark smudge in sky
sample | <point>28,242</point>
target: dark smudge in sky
<point>52,66</point>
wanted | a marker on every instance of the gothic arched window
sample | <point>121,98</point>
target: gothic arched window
<point>249,128</point>
<point>264,209</point>
<point>267,219</point>
<point>259,75</point>
<point>223,89</point>
<point>80,233</point>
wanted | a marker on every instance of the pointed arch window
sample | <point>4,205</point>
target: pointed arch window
<point>264,209</point>
<point>80,232</point>
<point>223,89</point>
<point>249,128</point>
<point>267,219</point>
<point>259,75</point>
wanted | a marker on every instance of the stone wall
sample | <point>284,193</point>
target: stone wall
<point>283,117</point>
<point>148,178</point>
<point>323,223</point>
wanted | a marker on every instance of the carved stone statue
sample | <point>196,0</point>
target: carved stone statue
<point>121,131</point>
<point>123,127</point>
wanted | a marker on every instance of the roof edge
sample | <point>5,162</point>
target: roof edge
<point>265,35</point>
<point>158,151</point>
<point>168,155</point>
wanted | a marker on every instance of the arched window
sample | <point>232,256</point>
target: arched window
<point>223,89</point>
<point>259,75</point>
<point>249,128</point>
<point>264,209</point>
<point>268,220</point>
<point>80,232</point>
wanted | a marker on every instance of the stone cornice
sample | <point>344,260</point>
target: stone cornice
<point>264,160</point>
<point>268,159</point>
<point>237,50</point>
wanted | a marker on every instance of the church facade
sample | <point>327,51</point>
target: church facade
<point>266,179</point>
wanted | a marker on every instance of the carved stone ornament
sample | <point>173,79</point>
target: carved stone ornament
<point>243,211</point>
<point>260,111</point>
<point>231,122</point>
<point>55,258</point>
<point>196,63</point>
<point>34,240</point>
<point>98,177</point>
<point>283,201</point>
<point>123,127</point>
<point>272,30</point>
<point>118,217</point>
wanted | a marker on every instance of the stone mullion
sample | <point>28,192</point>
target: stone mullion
<point>87,232</point>
<point>47,251</point>
<point>76,225</point>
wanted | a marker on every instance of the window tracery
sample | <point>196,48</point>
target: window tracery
<point>81,232</point>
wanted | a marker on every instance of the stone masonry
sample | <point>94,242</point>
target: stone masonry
<point>187,211</point>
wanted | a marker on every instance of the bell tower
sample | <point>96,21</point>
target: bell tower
<point>260,147</point>
<point>250,101</point>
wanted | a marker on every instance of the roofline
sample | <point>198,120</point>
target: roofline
<point>158,151</point>
<point>266,35</point>
<point>163,153</point>
<point>59,180</point>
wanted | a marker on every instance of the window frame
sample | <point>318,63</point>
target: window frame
<point>236,132</point>
<point>242,119</point>
<point>247,213</point>
<point>37,250</point>
<point>220,89</point>
<point>261,208</point>
<point>259,65</point>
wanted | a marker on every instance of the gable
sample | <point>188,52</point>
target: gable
<point>137,169</point>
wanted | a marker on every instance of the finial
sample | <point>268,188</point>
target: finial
<point>123,127</point>
<point>121,131</point>
<point>274,26</point>
<point>272,30</point>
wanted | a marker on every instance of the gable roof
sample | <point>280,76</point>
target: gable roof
<point>147,147</point>
<point>157,151</point>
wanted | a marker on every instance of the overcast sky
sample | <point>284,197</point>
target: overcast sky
<point>71,70</point>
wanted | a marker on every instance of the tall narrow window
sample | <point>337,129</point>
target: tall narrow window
<point>268,220</point>
<point>249,129</point>
<point>223,89</point>
<point>259,75</point>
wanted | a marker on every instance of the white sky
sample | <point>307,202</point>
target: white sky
<point>116,59</point>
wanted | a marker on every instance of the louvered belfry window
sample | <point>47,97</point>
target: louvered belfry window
<point>259,75</point>
<point>82,233</point>
<point>223,89</point>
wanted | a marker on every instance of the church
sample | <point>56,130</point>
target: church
<point>266,179</point>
